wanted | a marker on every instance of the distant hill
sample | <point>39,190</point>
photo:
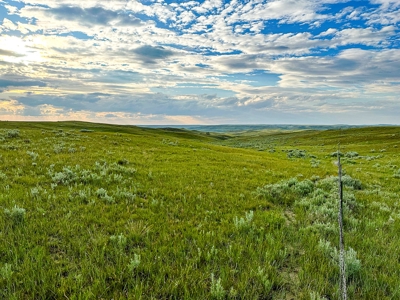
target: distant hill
<point>239,128</point>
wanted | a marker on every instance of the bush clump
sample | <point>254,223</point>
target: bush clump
<point>6,271</point>
<point>2,176</point>
<point>351,182</point>
<point>335,154</point>
<point>244,223</point>
<point>351,154</point>
<point>12,133</point>
<point>217,290</point>
<point>296,153</point>
<point>16,214</point>
<point>353,264</point>
<point>286,192</point>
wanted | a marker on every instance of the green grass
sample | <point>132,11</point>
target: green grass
<point>95,211</point>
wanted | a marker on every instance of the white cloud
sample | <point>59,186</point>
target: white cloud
<point>11,9</point>
<point>330,31</point>
<point>365,36</point>
<point>112,5</point>
<point>387,3</point>
<point>8,25</point>
<point>190,44</point>
<point>352,68</point>
<point>10,107</point>
<point>388,13</point>
<point>289,11</point>
<point>186,17</point>
<point>208,5</point>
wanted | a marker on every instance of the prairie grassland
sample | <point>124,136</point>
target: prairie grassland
<point>94,211</point>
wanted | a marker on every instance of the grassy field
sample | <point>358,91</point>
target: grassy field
<point>94,211</point>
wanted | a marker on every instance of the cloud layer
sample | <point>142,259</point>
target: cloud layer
<point>213,61</point>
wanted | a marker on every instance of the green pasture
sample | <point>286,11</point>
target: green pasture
<point>96,211</point>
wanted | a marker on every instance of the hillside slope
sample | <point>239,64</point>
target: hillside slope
<point>93,211</point>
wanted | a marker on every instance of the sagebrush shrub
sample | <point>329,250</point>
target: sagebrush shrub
<point>101,193</point>
<point>217,290</point>
<point>353,265</point>
<point>32,154</point>
<point>12,133</point>
<point>316,296</point>
<point>351,154</point>
<point>134,262</point>
<point>119,241</point>
<point>2,176</point>
<point>335,154</point>
<point>353,183</point>
<point>245,222</point>
<point>16,214</point>
<point>6,271</point>
<point>296,153</point>
<point>265,282</point>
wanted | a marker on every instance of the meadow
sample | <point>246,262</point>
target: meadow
<point>96,211</point>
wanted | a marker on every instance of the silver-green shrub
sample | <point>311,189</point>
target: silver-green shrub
<point>119,241</point>
<point>244,223</point>
<point>217,290</point>
<point>16,214</point>
<point>134,262</point>
<point>6,271</point>
<point>12,133</point>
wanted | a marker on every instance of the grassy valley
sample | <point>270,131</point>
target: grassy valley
<point>95,211</point>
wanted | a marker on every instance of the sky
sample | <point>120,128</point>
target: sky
<point>201,62</point>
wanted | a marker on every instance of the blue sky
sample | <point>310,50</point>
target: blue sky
<point>201,62</point>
